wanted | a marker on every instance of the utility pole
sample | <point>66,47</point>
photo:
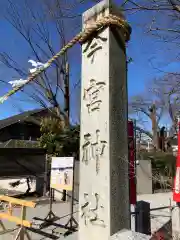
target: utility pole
<point>66,94</point>
<point>66,104</point>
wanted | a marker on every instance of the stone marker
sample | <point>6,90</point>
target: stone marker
<point>104,185</point>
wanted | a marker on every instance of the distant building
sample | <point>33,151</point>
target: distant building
<point>174,145</point>
<point>145,145</point>
<point>22,127</point>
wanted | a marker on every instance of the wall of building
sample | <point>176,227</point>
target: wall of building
<point>144,177</point>
<point>21,162</point>
<point>36,185</point>
<point>20,131</point>
<point>7,189</point>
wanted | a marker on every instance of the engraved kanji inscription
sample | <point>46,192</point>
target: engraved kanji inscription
<point>94,45</point>
<point>93,150</point>
<point>91,214</point>
<point>92,95</point>
<point>85,209</point>
<point>98,150</point>
<point>87,149</point>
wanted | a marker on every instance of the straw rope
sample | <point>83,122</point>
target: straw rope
<point>79,38</point>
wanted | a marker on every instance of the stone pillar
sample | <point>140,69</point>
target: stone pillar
<point>104,184</point>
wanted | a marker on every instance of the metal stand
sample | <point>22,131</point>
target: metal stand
<point>45,177</point>
<point>72,223</point>
<point>51,217</point>
<point>2,226</point>
<point>50,214</point>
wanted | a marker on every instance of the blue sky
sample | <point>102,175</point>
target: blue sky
<point>141,48</point>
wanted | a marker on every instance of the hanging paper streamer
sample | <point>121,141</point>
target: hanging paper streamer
<point>2,99</point>
<point>176,190</point>
<point>17,83</point>
<point>37,66</point>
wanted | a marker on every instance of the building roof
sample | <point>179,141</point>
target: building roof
<point>18,118</point>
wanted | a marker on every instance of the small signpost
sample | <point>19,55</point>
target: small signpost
<point>62,178</point>
<point>62,173</point>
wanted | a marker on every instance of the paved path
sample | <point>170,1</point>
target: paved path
<point>158,218</point>
<point>41,211</point>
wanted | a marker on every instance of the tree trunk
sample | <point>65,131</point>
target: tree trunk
<point>154,126</point>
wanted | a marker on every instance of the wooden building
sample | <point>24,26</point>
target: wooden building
<point>24,127</point>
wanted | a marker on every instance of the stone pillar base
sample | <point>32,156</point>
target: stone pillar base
<point>176,223</point>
